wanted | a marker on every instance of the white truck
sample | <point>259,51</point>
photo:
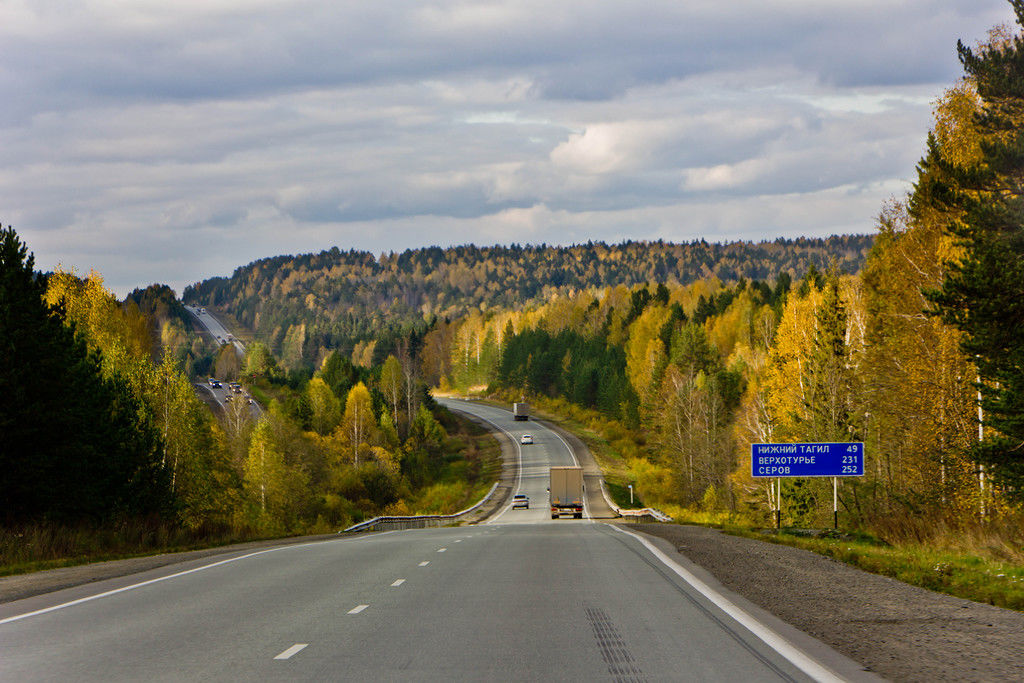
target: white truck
<point>520,411</point>
<point>566,492</point>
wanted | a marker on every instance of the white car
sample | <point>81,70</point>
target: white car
<point>520,501</point>
<point>526,439</point>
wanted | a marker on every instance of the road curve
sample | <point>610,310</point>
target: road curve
<point>551,447</point>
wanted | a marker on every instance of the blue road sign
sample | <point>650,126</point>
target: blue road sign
<point>807,459</point>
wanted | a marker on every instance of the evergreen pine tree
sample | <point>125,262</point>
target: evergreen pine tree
<point>72,444</point>
<point>983,292</point>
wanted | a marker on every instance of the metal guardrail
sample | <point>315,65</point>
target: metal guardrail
<point>642,513</point>
<point>636,515</point>
<point>416,521</point>
<point>607,498</point>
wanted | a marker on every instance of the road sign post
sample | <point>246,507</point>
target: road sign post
<point>777,460</point>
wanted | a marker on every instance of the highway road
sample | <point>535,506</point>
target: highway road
<point>214,327</point>
<point>223,397</point>
<point>522,597</point>
<point>548,449</point>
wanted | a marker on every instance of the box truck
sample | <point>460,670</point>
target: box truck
<point>520,411</point>
<point>566,492</point>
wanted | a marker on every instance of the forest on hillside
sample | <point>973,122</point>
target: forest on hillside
<point>108,447</point>
<point>678,357</point>
<point>920,354</point>
<point>304,306</point>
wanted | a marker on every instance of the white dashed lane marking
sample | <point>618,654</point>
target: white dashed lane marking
<point>357,609</point>
<point>424,563</point>
<point>398,583</point>
<point>294,649</point>
<point>441,550</point>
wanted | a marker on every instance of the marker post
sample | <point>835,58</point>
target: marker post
<point>835,503</point>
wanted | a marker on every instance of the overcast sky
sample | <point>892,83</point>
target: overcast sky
<point>159,141</point>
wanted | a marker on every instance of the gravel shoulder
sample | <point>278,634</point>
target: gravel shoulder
<point>901,632</point>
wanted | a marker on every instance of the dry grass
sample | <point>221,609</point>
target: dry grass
<point>32,547</point>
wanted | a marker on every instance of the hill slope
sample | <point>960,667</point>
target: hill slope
<point>336,298</point>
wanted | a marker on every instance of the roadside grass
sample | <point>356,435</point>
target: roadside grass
<point>961,563</point>
<point>620,496</point>
<point>36,547</point>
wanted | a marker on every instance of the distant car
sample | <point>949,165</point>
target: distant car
<point>214,383</point>
<point>227,398</point>
<point>520,501</point>
<point>202,310</point>
<point>526,439</point>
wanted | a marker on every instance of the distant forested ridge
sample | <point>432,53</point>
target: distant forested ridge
<point>304,305</point>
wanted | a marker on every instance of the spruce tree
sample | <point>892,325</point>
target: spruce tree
<point>983,292</point>
<point>72,444</point>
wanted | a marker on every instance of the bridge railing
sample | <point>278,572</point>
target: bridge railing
<point>396,522</point>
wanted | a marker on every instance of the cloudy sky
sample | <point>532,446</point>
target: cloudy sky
<point>160,141</point>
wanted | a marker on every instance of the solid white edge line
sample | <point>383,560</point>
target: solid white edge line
<point>293,650</point>
<point>770,638</point>
<point>133,586</point>
<point>357,609</point>
<point>519,466</point>
<point>519,459</point>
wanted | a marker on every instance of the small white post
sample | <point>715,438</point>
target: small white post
<point>835,502</point>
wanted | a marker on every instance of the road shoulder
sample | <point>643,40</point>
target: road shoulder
<point>896,630</point>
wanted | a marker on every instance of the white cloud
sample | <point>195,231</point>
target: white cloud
<point>171,142</point>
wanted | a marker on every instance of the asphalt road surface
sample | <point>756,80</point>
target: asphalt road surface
<point>222,397</point>
<point>522,597</point>
<point>214,327</point>
<point>497,602</point>
<point>535,460</point>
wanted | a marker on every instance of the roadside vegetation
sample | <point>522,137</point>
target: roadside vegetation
<point>918,355</point>
<point>34,547</point>
<point>108,450</point>
<point>668,360</point>
<point>980,567</point>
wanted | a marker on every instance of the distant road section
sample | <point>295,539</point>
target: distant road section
<point>551,447</point>
<point>214,327</point>
<point>221,334</point>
